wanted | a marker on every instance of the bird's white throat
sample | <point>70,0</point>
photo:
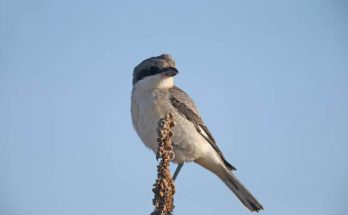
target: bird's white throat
<point>156,81</point>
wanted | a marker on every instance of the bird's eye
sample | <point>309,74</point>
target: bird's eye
<point>153,70</point>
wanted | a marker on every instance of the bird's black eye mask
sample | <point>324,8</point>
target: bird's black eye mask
<point>150,72</point>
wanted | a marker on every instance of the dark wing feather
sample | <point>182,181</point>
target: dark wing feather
<point>186,107</point>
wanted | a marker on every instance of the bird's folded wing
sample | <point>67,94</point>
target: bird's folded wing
<point>187,108</point>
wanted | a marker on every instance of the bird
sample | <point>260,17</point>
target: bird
<point>154,95</point>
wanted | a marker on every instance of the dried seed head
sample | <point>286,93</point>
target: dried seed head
<point>164,188</point>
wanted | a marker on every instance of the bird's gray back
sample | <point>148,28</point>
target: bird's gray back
<point>184,98</point>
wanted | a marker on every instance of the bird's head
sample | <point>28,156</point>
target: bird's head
<point>155,72</point>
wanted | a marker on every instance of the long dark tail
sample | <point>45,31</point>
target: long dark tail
<point>233,183</point>
<point>240,191</point>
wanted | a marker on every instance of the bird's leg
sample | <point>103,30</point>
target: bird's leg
<point>178,168</point>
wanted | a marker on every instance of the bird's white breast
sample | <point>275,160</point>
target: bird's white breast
<point>148,107</point>
<point>146,112</point>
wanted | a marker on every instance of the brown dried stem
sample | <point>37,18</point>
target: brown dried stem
<point>164,188</point>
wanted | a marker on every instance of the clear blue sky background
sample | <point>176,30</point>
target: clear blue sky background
<point>270,78</point>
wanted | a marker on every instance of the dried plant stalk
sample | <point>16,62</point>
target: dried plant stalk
<point>164,188</point>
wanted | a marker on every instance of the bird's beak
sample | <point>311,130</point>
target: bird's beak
<point>170,71</point>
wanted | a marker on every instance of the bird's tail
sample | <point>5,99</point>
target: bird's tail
<point>239,190</point>
<point>234,184</point>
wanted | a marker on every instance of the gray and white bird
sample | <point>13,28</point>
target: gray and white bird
<point>153,96</point>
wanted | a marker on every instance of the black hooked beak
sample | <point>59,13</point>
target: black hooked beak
<point>170,71</point>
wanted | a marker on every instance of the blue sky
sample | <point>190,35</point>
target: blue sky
<point>269,77</point>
